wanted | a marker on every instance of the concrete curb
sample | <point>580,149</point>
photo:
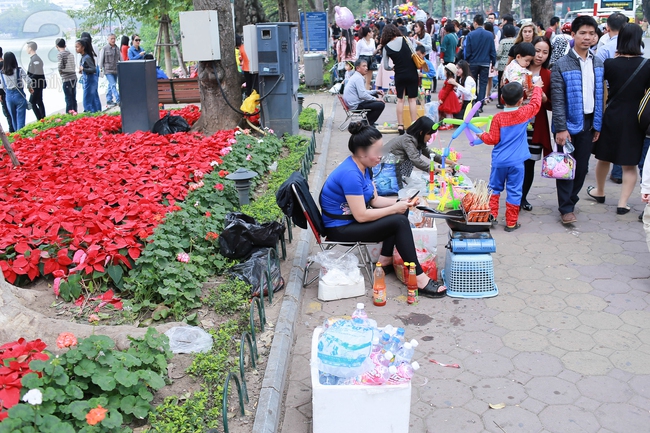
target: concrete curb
<point>269,406</point>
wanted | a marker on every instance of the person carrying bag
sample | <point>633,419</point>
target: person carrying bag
<point>14,80</point>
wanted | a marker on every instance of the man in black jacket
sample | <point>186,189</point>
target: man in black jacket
<point>36,74</point>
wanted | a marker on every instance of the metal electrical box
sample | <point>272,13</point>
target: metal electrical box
<point>250,45</point>
<point>200,36</point>
<point>139,92</point>
<point>277,48</point>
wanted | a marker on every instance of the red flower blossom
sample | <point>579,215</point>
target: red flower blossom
<point>208,214</point>
<point>211,236</point>
<point>96,415</point>
<point>223,173</point>
<point>219,187</point>
<point>66,339</point>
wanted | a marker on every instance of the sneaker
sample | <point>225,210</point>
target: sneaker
<point>512,228</point>
<point>568,218</point>
<point>500,106</point>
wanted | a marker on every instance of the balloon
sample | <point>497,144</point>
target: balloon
<point>344,17</point>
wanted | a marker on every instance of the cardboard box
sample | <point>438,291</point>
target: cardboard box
<point>357,408</point>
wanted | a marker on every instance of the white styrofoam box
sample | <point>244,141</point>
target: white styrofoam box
<point>375,251</point>
<point>357,408</point>
<point>426,238</point>
<point>331,292</point>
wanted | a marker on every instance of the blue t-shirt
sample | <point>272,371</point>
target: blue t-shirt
<point>134,53</point>
<point>346,179</point>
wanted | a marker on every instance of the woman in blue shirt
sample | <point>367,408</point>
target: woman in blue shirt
<point>136,52</point>
<point>352,210</point>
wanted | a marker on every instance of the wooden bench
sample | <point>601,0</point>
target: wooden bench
<point>179,91</point>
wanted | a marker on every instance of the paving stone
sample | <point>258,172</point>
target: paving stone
<point>499,390</point>
<point>600,320</point>
<point>537,364</point>
<point>572,311</point>
<point>533,405</point>
<point>623,417</point>
<point>587,363</point>
<point>445,393</point>
<point>515,321</point>
<point>525,272</point>
<point>453,421</point>
<point>511,419</point>
<point>585,259</point>
<point>489,365</point>
<point>416,424</point>
<point>605,389</point>
<point>585,302</point>
<point>617,339</point>
<point>586,329</point>
<point>587,403</point>
<point>640,402</point>
<point>625,301</point>
<point>546,303</point>
<point>569,339</point>
<point>525,341</point>
<point>507,352</point>
<point>636,246</point>
<point>557,320</point>
<point>535,287</point>
<point>476,406</point>
<point>569,419</point>
<point>640,319</point>
<point>295,422</point>
<point>505,303</point>
<point>605,270</point>
<point>552,390</point>
<point>629,329</point>
<point>570,376</point>
<point>618,259</point>
<point>477,342</point>
<point>632,361</point>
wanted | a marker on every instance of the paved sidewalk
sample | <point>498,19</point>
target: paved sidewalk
<point>565,345</point>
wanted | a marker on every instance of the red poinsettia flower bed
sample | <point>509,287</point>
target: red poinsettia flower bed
<point>84,186</point>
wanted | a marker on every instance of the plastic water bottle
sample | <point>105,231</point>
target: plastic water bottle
<point>384,341</point>
<point>404,374</point>
<point>568,147</point>
<point>389,329</point>
<point>384,358</point>
<point>377,376</point>
<point>376,347</point>
<point>344,348</point>
<point>399,334</point>
<point>405,354</point>
<point>360,312</point>
<point>328,379</point>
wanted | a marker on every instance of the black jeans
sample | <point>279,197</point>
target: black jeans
<point>375,107</point>
<point>480,75</point>
<point>70,92</point>
<point>568,190</point>
<point>36,99</point>
<point>393,230</point>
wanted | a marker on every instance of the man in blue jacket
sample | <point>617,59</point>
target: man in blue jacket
<point>480,53</point>
<point>577,95</point>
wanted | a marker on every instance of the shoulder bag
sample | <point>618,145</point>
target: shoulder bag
<point>419,62</point>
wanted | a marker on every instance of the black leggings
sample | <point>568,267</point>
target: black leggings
<point>393,230</point>
<point>529,175</point>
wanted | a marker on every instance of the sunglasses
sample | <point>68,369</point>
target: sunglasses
<point>137,40</point>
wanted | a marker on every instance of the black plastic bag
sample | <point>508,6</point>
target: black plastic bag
<point>170,124</point>
<point>254,272</point>
<point>243,233</point>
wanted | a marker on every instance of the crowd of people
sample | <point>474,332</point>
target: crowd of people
<point>581,62</point>
<point>86,68</point>
<point>589,79</point>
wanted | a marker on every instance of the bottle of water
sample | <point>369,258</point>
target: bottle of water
<point>360,312</point>
<point>404,374</point>
<point>399,334</point>
<point>405,354</point>
<point>384,358</point>
<point>328,379</point>
<point>376,347</point>
<point>388,329</point>
<point>377,376</point>
<point>344,348</point>
<point>384,341</point>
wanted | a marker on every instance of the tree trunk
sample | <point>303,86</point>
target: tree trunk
<point>443,6</point>
<point>10,151</point>
<point>248,12</point>
<point>165,22</point>
<point>542,10</point>
<point>319,6</point>
<point>288,11</point>
<point>646,9</point>
<point>215,112</point>
<point>505,7</point>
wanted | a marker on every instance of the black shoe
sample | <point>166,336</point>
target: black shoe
<point>623,210</point>
<point>513,228</point>
<point>641,217</point>
<point>431,290</point>
<point>616,180</point>
<point>598,198</point>
<point>500,106</point>
<point>526,206</point>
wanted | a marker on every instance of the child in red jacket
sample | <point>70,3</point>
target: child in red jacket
<point>508,135</point>
<point>449,103</point>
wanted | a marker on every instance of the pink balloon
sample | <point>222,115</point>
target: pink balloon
<point>344,17</point>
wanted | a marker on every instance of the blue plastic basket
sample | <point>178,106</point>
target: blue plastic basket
<point>469,276</point>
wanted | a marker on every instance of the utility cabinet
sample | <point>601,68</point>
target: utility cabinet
<point>200,36</point>
<point>277,58</point>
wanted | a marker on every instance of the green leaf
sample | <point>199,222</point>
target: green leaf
<point>104,380</point>
<point>127,404</point>
<point>31,380</point>
<point>74,391</point>
<point>85,368</point>
<point>152,379</point>
<point>115,273</point>
<point>141,409</point>
<point>126,378</point>
<point>112,420</point>
<point>21,410</point>
<point>78,409</point>
<point>192,319</point>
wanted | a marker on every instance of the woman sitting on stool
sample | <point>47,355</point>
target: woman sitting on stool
<point>353,212</point>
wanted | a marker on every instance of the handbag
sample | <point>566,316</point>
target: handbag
<point>419,62</point>
<point>559,165</point>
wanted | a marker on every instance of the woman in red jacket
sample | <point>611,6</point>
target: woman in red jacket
<point>539,142</point>
<point>124,48</point>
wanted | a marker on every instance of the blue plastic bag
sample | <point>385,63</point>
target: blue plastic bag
<point>385,176</point>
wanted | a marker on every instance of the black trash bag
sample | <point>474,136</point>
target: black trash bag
<point>170,124</point>
<point>254,272</point>
<point>243,233</point>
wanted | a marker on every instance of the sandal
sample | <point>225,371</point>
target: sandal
<point>431,290</point>
<point>598,198</point>
<point>389,269</point>
<point>400,131</point>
